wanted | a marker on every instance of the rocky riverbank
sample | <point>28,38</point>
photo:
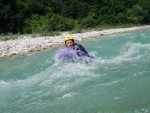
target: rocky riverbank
<point>27,44</point>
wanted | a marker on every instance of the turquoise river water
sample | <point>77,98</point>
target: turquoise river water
<point>117,81</point>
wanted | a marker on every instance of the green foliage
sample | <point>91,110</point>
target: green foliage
<point>54,33</point>
<point>43,16</point>
<point>75,9</point>
<point>121,18</point>
<point>135,15</point>
<point>59,23</point>
<point>8,36</point>
<point>88,22</point>
<point>48,23</point>
<point>145,4</point>
<point>36,24</point>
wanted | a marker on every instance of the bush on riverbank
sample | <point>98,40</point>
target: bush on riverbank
<point>49,16</point>
<point>11,36</point>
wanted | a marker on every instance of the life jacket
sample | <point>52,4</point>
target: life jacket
<point>79,47</point>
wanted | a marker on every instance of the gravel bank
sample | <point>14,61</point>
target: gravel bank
<point>28,44</point>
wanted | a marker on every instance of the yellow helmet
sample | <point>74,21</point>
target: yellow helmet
<point>68,38</point>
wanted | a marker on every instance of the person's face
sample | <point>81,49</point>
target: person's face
<point>69,43</point>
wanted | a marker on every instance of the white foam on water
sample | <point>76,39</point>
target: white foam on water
<point>64,76</point>
<point>142,110</point>
<point>128,52</point>
<point>3,83</point>
<point>58,77</point>
<point>116,98</point>
<point>120,35</point>
<point>60,80</point>
<point>55,80</point>
<point>68,95</point>
<point>144,35</point>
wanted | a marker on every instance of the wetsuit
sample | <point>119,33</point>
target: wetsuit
<point>79,47</point>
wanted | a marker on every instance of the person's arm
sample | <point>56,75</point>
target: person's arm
<point>82,48</point>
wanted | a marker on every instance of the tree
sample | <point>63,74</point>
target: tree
<point>28,16</point>
<point>58,23</point>
<point>75,9</point>
<point>135,15</point>
<point>145,4</point>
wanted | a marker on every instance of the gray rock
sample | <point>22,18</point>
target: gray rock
<point>14,53</point>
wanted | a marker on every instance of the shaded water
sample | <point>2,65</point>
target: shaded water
<point>118,81</point>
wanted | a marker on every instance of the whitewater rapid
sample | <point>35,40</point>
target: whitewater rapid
<point>116,81</point>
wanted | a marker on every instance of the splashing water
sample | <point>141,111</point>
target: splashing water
<point>117,81</point>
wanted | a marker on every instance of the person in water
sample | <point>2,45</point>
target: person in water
<point>69,42</point>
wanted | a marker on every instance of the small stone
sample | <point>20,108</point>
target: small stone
<point>44,46</point>
<point>14,53</point>
<point>47,41</point>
